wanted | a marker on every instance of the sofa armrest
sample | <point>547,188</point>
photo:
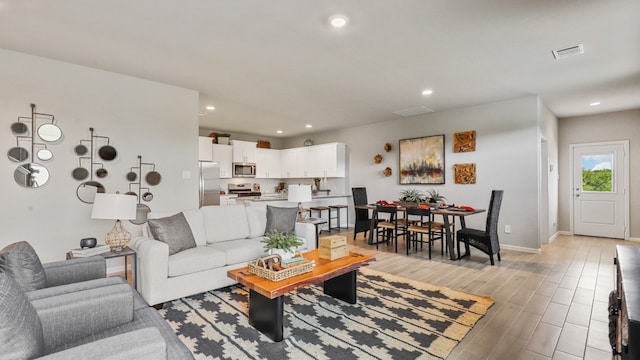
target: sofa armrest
<point>69,317</point>
<point>307,232</point>
<point>71,288</point>
<point>141,344</point>
<point>75,270</point>
<point>153,268</point>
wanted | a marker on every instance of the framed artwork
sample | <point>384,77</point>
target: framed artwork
<point>464,141</point>
<point>464,173</point>
<point>422,160</point>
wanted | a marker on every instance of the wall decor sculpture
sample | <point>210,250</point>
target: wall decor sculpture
<point>97,145</point>
<point>464,141</point>
<point>152,178</point>
<point>465,173</point>
<point>422,160</point>
<point>33,174</point>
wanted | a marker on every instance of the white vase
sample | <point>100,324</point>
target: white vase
<point>285,255</point>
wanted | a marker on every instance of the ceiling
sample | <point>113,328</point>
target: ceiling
<point>278,65</point>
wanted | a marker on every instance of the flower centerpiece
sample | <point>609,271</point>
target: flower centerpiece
<point>435,198</point>
<point>281,243</point>
<point>411,197</point>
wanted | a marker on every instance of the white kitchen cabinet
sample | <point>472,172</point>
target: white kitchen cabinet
<point>244,151</point>
<point>268,165</point>
<point>289,163</point>
<point>221,154</point>
<point>329,160</point>
<point>204,149</point>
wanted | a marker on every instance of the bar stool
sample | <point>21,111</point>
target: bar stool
<point>320,209</point>
<point>337,208</point>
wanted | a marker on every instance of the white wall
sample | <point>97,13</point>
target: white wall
<point>548,203</point>
<point>621,125</point>
<point>157,121</point>
<point>506,157</point>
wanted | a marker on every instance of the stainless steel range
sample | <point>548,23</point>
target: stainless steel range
<point>245,190</point>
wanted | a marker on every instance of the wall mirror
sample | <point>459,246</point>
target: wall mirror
<point>18,154</point>
<point>31,175</point>
<point>49,132</point>
<point>87,191</point>
<point>152,177</point>
<point>18,128</point>
<point>45,154</point>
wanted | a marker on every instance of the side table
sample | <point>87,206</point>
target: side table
<point>317,222</point>
<point>126,253</point>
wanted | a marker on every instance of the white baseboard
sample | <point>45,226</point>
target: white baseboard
<point>521,249</point>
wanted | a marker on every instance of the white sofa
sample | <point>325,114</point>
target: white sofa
<point>227,237</point>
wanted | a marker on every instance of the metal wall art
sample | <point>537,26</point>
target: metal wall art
<point>32,174</point>
<point>422,160</point>
<point>464,141</point>
<point>464,173</point>
<point>86,150</point>
<point>152,178</point>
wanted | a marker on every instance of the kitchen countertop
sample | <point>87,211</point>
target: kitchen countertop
<point>283,197</point>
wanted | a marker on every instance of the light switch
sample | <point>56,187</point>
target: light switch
<point>186,174</point>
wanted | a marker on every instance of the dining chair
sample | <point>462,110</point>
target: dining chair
<point>389,224</point>
<point>363,221</point>
<point>422,223</point>
<point>484,240</point>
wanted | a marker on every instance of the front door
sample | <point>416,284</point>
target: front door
<point>600,178</point>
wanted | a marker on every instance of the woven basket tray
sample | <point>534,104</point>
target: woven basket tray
<point>259,267</point>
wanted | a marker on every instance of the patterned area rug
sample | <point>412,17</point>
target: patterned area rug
<point>395,318</point>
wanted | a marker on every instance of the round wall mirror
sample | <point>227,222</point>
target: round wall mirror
<point>18,128</point>
<point>102,173</point>
<point>49,132</point>
<point>80,149</point>
<point>87,191</point>
<point>80,173</point>
<point>18,154</point>
<point>141,214</point>
<point>45,154</point>
<point>147,196</point>
<point>107,153</point>
<point>31,175</point>
<point>132,176</point>
<point>153,178</point>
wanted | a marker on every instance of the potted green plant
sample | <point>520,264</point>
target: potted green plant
<point>411,196</point>
<point>281,243</point>
<point>223,138</point>
<point>435,198</point>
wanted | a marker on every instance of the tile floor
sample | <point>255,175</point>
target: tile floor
<point>551,305</point>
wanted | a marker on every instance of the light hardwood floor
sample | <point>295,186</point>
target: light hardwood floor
<point>551,305</point>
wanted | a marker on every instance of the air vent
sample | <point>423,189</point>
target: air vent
<point>570,51</point>
<point>413,111</point>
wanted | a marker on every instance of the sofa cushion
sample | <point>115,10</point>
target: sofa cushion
<point>241,251</point>
<point>174,231</point>
<point>20,328</point>
<point>194,260</point>
<point>21,262</point>
<point>224,223</point>
<point>257,218</point>
<point>194,218</point>
<point>281,219</point>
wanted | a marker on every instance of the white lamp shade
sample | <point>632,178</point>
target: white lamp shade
<point>114,206</point>
<point>299,193</point>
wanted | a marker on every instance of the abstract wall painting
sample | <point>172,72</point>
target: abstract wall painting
<point>422,160</point>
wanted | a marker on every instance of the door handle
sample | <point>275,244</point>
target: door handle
<point>577,195</point>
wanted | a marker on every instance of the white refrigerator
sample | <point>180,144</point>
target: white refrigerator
<point>209,183</point>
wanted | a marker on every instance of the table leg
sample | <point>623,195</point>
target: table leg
<point>266,315</point>
<point>134,274</point>
<point>450,245</point>
<point>342,287</point>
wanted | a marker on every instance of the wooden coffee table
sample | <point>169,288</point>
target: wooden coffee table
<point>266,303</point>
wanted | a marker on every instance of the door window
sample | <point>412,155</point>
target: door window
<point>597,173</point>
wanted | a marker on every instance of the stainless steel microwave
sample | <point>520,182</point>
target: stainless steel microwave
<point>244,170</point>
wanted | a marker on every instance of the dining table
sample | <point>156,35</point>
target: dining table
<point>445,212</point>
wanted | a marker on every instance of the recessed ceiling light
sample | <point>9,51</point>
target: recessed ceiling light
<point>427,92</point>
<point>338,21</point>
<point>279,131</point>
<point>210,107</point>
<point>595,103</point>
<point>308,126</point>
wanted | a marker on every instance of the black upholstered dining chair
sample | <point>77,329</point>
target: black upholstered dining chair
<point>363,221</point>
<point>389,225</point>
<point>421,223</point>
<point>484,240</point>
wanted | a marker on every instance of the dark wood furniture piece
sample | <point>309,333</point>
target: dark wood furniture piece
<point>362,222</point>
<point>126,253</point>
<point>421,223</point>
<point>317,222</point>
<point>485,240</point>
<point>389,224</point>
<point>627,292</point>
<point>266,303</point>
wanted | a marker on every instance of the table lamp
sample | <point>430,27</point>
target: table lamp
<point>115,207</point>
<point>299,194</point>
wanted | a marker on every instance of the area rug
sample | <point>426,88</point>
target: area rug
<point>395,318</point>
